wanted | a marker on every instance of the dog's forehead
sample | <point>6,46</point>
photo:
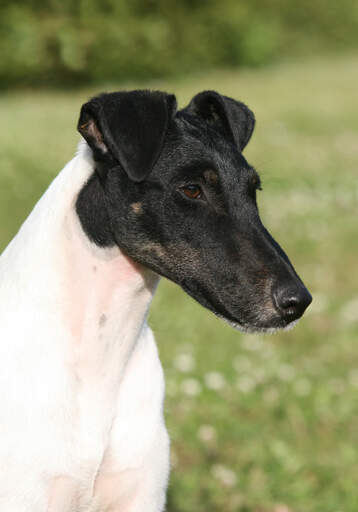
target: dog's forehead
<point>195,145</point>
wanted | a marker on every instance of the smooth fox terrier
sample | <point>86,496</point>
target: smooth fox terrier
<point>153,191</point>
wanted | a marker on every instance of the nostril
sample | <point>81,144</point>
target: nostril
<point>292,301</point>
<point>289,301</point>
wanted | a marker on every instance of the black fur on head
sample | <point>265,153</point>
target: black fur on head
<point>173,190</point>
<point>127,128</point>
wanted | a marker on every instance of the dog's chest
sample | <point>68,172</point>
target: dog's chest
<point>108,436</point>
<point>96,372</point>
<point>98,365</point>
<point>104,303</point>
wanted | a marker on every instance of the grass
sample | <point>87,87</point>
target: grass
<point>257,424</point>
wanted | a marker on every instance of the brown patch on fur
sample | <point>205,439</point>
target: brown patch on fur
<point>183,252</point>
<point>153,248</point>
<point>211,176</point>
<point>137,208</point>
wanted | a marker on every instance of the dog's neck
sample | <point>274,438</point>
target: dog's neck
<point>96,297</point>
<point>108,293</point>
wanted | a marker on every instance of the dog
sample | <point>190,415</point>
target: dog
<point>153,191</point>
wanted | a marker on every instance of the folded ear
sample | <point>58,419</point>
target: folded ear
<point>226,114</point>
<point>128,128</point>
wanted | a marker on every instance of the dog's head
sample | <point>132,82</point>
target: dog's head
<point>173,190</point>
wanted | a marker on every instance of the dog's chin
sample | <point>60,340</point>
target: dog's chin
<point>266,322</point>
<point>276,324</point>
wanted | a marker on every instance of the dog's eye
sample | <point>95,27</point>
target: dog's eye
<point>192,191</point>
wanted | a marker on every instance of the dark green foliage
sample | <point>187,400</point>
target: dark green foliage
<point>56,42</point>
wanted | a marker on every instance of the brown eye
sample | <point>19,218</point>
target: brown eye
<point>192,191</point>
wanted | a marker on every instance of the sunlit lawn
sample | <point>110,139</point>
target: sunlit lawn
<point>257,423</point>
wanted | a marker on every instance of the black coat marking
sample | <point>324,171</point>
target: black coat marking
<point>215,247</point>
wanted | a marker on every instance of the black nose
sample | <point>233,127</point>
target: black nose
<point>291,301</point>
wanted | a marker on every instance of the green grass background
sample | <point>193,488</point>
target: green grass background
<point>257,423</point>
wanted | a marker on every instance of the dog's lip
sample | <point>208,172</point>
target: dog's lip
<point>258,328</point>
<point>275,323</point>
<point>274,320</point>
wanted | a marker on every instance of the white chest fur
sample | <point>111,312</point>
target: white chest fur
<point>80,373</point>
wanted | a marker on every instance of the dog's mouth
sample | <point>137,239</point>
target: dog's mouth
<point>263,322</point>
<point>259,319</point>
<point>263,316</point>
<point>274,307</point>
<point>276,324</point>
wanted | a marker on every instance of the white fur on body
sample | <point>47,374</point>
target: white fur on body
<point>81,384</point>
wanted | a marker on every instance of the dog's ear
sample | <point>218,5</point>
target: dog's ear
<point>128,128</point>
<point>229,116</point>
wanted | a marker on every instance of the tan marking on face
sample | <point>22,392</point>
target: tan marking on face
<point>211,176</point>
<point>183,252</point>
<point>137,208</point>
<point>152,247</point>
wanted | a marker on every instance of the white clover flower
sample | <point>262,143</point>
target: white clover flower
<point>286,372</point>
<point>349,312</point>
<point>173,458</point>
<point>344,197</point>
<point>184,363</point>
<point>171,387</point>
<point>186,347</point>
<point>214,381</point>
<point>252,343</point>
<point>259,375</point>
<point>319,304</point>
<point>206,433</point>
<point>242,363</point>
<point>245,383</point>
<point>301,200</point>
<point>271,395</point>
<point>336,386</point>
<point>226,476</point>
<point>235,501</point>
<point>282,508</point>
<point>191,387</point>
<point>302,387</point>
<point>353,377</point>
<point>267,351</point>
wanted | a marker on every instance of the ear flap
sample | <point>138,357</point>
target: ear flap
<point>226,114</point>
<point>128,128</point>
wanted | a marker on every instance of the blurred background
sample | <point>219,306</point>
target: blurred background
<point>258,424</point>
